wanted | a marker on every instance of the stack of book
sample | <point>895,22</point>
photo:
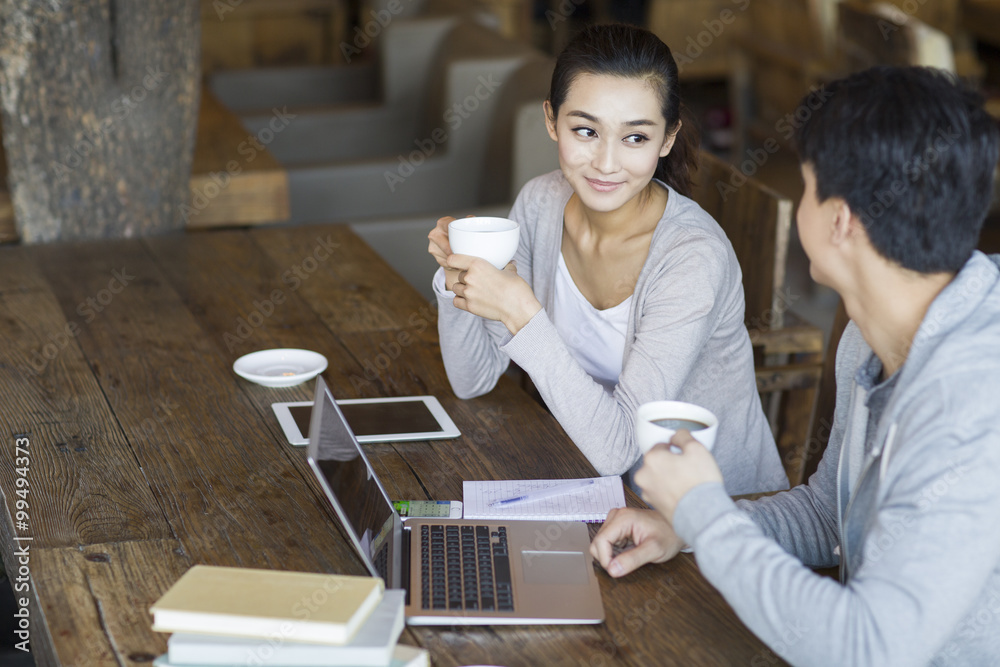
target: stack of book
<point>268,618</point>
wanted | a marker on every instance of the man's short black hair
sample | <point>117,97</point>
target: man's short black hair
<point>912,152</point>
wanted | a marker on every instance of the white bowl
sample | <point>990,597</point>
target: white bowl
<point>493,239</point>
<point>283,367</point>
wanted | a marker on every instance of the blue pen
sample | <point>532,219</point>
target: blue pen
<point>547,492</point>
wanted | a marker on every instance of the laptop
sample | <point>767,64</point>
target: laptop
<point>454,571</point>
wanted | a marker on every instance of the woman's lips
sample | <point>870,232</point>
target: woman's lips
<point>603,186</point>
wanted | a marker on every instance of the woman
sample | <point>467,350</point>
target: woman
<point>623,290</point>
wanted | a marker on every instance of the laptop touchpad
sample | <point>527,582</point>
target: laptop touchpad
<point>554,567</point>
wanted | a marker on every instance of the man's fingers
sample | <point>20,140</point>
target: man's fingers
<point>649,550</point>
<point>682,437</point>
<point>616,531</point>
<point>634,558</point>
<point>602,550</point>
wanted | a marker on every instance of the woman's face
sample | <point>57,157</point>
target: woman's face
<point>611,133</point>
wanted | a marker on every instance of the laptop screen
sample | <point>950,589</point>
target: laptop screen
<point>358,497</point>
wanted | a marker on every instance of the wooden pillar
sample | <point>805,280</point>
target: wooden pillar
<point>99,101</point>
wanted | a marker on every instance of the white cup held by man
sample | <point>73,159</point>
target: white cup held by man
<point>657,422</point>
<point>493,239</point>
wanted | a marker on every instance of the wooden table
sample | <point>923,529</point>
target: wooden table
<point>147,454</point>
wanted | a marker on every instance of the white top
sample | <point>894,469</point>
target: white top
<point>595,338</point>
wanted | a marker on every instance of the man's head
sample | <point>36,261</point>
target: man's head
<point>912,154</point>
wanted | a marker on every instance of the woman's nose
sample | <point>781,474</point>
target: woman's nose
<point>605,157</point>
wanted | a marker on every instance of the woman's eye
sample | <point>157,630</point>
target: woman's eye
<point>584,132</point>
<point>636,139</point>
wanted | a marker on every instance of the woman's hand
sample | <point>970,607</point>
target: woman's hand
<point>495,295</point>
<point>653,539</point>
<point>665,477</point>
<point>440,249</point>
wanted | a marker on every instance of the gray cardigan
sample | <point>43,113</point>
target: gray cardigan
<point>915,520</point>
<point>685,341</point>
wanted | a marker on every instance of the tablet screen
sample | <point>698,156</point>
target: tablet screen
<point>377,418</point>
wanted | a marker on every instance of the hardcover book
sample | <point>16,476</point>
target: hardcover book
<point>371,647</point>
<point>244,602</point>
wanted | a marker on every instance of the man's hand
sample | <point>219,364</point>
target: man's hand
<point>654,540</point>
<point>665,477</point>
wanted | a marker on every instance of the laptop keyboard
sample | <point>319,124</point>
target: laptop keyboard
<point>465,567</point>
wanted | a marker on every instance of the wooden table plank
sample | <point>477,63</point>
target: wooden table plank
<point>96,600</point>
<point>356,292</point>
<point>231,496</point>
<point>52,396</point>
<point>247,303</point>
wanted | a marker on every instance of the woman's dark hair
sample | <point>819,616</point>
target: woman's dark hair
<point>912,152</point>
<point>633,53</point>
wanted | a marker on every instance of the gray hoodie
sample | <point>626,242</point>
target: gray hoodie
<point>914,509</point>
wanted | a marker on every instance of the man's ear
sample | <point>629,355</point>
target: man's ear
<point>550,120</point>
<point>846,225</point>
<point>669,139</point>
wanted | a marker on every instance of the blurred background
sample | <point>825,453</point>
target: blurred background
<point>744,66</point>
<point>387,114</point>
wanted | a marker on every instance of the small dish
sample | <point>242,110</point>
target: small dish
<point>283,367</point>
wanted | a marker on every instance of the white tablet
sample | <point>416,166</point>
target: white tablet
<point>375,419</point>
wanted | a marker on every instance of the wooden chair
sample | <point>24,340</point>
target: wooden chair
<point>821,421</point>
<point>788,352</point>
<point>757,221</point>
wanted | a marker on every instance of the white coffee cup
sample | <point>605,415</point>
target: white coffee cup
<point>493,239</point>
<point>657,422</point>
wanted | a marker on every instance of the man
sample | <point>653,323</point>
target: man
<point>897,164</point>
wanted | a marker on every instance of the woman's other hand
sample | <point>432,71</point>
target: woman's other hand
<point>483,290</point>
<point>440,249</point>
